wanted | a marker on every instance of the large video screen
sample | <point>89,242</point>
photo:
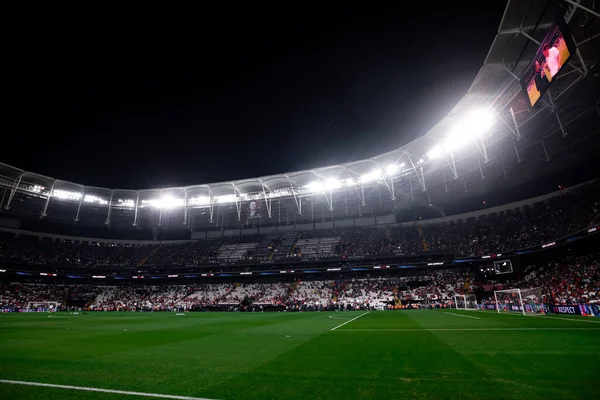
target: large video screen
<point>552,55</point>
<point>254,209</point>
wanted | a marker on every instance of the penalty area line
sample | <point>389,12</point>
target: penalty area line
<point>460,315</point>
<point>91,389</point>
<point>347,322</point>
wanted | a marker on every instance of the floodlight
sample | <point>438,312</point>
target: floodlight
<point>333,184</point>
<point>129,203</point>
<point>457,138</point>
<point>480,120</point>
<point>199,201</point>
<point>349,182</point>
<point>315,186</point>
<point>435,152</point>
<point>89,198</point>
<point>66,195</point>
<point>226,198</point>
<point>169,202</point>
<point>371,176</point>
<point>391,169</point>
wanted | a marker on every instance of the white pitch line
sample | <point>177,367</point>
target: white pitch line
<point>91,389</point>
<point>460,315</point>
<point>469,329</point>
<point>571,319</point>
<point>347,322</point>
<point>336,317</point>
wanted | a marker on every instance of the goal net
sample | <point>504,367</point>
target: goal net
<point>464,302</point>
<point>42,306</point>
<point>524,301</point>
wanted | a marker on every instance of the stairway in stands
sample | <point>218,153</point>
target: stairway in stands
<point>144,260</point>
<point>422,236</point>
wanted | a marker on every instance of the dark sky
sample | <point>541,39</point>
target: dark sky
<point>136,99</point>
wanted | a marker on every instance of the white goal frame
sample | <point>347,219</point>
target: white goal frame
<point>521,304</point>
<point>463,297</point>
<point>32,305</point>
<point>517,291</point>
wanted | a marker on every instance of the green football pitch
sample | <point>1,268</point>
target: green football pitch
<point>378,355</point>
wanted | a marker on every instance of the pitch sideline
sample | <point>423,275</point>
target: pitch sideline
<point>467,329</point>
<point>92,389</point>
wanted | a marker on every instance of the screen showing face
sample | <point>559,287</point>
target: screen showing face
<point>552,55</point>
<point>254,209</point>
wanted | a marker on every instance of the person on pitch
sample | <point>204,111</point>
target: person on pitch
<point>552,59</point>
<point>541,79</point>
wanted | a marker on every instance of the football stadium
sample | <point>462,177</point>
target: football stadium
<point>462,265</point>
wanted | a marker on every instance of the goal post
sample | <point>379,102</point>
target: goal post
<point>523,301</point>
<point>464,301</point>
<point>459,301</point>
<point>42,306</point>
<point>471,302</point>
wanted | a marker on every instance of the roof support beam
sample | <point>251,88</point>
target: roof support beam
<point>516,132</point>
<point>137,207</point>
<point>45,210</point>
<point>110,201</point>
<point>452,165</point>
<point>328,198</point>
<point>13,191</point>
<point>514,31</point>
<point>421,178</point>
<point>211,205</point>
<point>584,8</point>
<point>185,206</point>
<point>297,198</point>
<point>267,199</point>
<point>238,204</point>
<point>76,219</point>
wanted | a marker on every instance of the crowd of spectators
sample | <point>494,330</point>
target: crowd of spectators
<point>528,226</point>
<point>572,280</point>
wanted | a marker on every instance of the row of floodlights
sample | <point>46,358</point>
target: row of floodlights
<point>168,201</point>
<point>475,124</point>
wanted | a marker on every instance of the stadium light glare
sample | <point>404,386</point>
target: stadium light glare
<point>199,201</point>
<point>66,194</point>
<point>37,188</point>
<point>169,202</point>
<point>349,182</point>
<point>94,200</point>
<point>435,152</point>
<point>480,120</point>
<point>226,198</point>
<point>391,169</point>
<point>128,203</point>
<point>333,184</point>
<point>315,186</point>
<point>371,176</point>
<point>475,123</point>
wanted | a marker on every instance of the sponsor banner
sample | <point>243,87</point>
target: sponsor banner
<point>587,310</point>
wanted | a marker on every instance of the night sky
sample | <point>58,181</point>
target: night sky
<point>132,99</point>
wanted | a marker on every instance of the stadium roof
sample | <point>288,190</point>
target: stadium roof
<point>520,142</point>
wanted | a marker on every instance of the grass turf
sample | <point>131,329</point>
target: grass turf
<point>384,355</point>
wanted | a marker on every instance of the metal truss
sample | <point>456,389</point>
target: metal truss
<point>267,199</point>
<point>13,191</point>
<point>297,198</point>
